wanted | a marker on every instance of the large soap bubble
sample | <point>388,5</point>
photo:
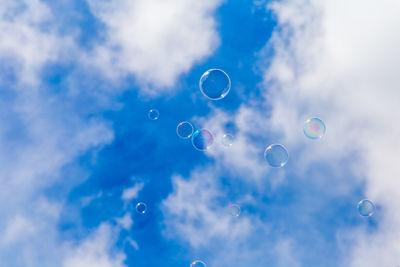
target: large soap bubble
<point>314,128</point>
<point>276,155</point>
<point>184,129</point>
<point>202,139</point>
<point>215,84</point>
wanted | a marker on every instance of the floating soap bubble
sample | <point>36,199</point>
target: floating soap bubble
<point>202,139</point>
<point>153,114</point>
<point>234,210</point>
<point>184,130</point>
<point>141,207</point>
<point>314,128</point>
<point>215,84</point>
<point>198,263</point>
<point>276,155</point>
<point>366,207</point>
<point>227,140</point>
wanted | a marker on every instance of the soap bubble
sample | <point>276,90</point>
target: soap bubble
<point>276,155</point>
<point>314,128</point>
<point>141,207</point>
<point>227,140</point>
<point>215,84</point>
<point>184,130</point>
<point>202,139</point>
<point>366,208</point>
<point>153,114</point>
<point>198,263</point>
<point>234,210</point>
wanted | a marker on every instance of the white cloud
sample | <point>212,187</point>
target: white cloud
<point>95,251</point>
<point>197,214</point>
<point>155,40</point>
<point>27,42</point>
<point>132,192</point>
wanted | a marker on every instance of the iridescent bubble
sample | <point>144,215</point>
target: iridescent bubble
<point>202,139</point>
<point>276,155</point>
<point>184,130</point>
<point>153,114</point>
<point>141,207</point>
<point>234,210</point>
<point>227,140</point>
<point>366,207</point>
<point>314,128</point>
<point>198,263</point>
<point>215,84</point>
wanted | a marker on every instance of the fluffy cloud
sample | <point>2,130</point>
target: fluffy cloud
<point>95,251</point>
<point>154,40</point>
<point>28,43</point>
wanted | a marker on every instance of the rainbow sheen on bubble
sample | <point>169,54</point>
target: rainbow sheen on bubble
<point>215,84</point>
<point>141,208</point>
<point>153,114</point>
<point>314,128</point>
<point>198,263</point>
<point>184,130</point>
<point>366,208</point>
<point>234,210</point>
<point>276,155</point>
<point>227,140</point>
<point>202,139</point>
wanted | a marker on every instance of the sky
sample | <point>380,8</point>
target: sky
<point>78,151</point>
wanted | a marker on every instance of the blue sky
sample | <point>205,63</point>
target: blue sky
<point>77,79</point>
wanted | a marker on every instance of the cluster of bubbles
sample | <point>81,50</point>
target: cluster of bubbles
<point>215,84</point>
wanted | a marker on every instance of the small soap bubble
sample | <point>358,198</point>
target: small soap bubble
<point>215,84</point>
<point>141,208</point>
<point>366,208</point>
<point>153,114</point>
<point>234,210</point>
<point>227,140</point>
<point>198,263</point>
<point>202,139</point>
<point>314,128</point>
<point>276,155</point>
<point>184,130</point>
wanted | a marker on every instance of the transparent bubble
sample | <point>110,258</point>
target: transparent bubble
<point>215,84</point>
<point>314,128</point>
<point>184,130</point>
<point>234,210</point>
<point>153,114</point>
<point>198,263</point>
<point>141,207</point>
<point>227,140</point>
<point>276,155</point>
<point>366,207</point>
<point>202,139</point>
